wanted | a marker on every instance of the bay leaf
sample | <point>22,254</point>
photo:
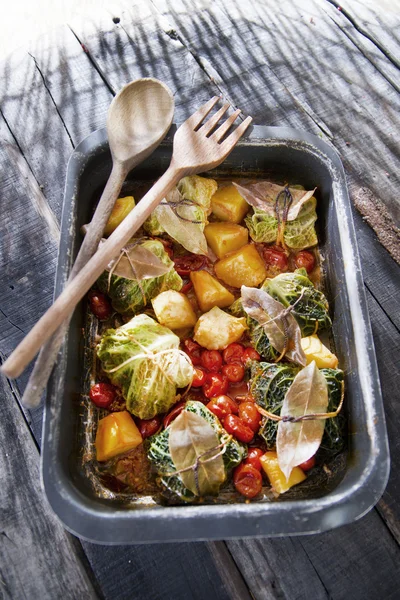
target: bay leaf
<point>190,436</point>
<point>297,442</point>
<point>264,309</point>
<point>141,264</point>
<point>263,195</point>
<point>184,229</point>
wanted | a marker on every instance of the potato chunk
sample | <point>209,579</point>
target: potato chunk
<point>243,267</point>
<point>121,209</point>
<point>225,237</point>
<point>277,479</point>
<point>215,330</point>
<point>116,433</point>
<point>314,349</point>
<point>228,205</point>
<point>174,310</point>
<point>209,292</point>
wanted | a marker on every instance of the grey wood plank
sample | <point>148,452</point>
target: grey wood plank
<point>137,46</point>
<point>38,559</point>
<point>288,64</point>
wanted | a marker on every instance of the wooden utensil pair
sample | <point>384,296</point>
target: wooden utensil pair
<point>197,147</point>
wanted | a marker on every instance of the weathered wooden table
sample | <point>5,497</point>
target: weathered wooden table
<point>310,64</point>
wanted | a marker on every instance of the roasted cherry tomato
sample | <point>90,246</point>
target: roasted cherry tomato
<point>189,262</point>
<point>247,480</point>
<point>173,413</point>
<point>194,351</point>
<point>276,258</point>
<point>102,394</point>
<point>308,464</point>
<point>250,354</point>
<point>100,305</point>
<point>305,259</point>
<point>187,287</point>
<point>211,360</point>
<point>222,406</point>
<point>234,372</point>
<point>253,458</point>
<point>238,428</point>
<point>215,385</point>
<point>148,427</point>
<point>233,353</point>
<point>199,377</point>
<point>250,416</point>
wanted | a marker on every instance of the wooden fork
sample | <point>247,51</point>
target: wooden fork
<point>197,147</point>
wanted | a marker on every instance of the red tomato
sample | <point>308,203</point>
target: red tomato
<point>187,287</point>
<point>253,458</point>
<point>189,262</point>
<point>173,413</point>
<point>305,259</point>
<point>221,406</point>
<point>194,351</point>
<point>250,354</point>
<point>215,385</point>
<point>211,360</point>
<point>234,372</point>
<point>276,258</point>
<point>102,394</point>
<point>199,377</point>
<point>308,464</point>
<point>233,353</point>
<point>250,416</point>
<point>148,427</point>
<point>100,305</point>
<point>238,428</point>
<point>247,480</point>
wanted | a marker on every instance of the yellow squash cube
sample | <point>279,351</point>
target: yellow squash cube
<point>314,349</point>
<point>225,237</point>
<point>116,434</point>
<point>228,205</point>
<point>277,479</point>
<point>209,292</point>
<point>174,310</point>
<point>121,209</point>
<point>243,267</point>
<point>215,330</point>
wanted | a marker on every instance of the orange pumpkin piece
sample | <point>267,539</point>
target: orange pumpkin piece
<point>277,479</point>
<point>116,434</point>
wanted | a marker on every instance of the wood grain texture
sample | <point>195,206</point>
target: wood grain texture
<point>38,559</point>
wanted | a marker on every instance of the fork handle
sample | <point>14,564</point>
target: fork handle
<point>76,289</point>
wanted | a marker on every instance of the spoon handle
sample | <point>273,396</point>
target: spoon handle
<point>76,289</point>
<point>48,354</point>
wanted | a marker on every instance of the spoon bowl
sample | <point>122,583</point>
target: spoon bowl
<point>139,116</point>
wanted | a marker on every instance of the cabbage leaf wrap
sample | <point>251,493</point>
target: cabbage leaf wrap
<point>269,384</point>
<point>143,359</point>
<point>258,337</point>
<point>130,296</point>
<point>159,455</point>
<point>311,310</point>
<point>298,234</point>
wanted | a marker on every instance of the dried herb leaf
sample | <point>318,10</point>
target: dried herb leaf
<point>297,442</point>
<point>183,222</point>
<point>279,324</point>
<point>138,263</point>
<point>191,437</point>
<point>263,195</point>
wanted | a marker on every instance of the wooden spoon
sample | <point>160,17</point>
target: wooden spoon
<point>138,119</point>
<point>197,147</point>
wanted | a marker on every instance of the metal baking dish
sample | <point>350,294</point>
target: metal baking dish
<point>284,155</point>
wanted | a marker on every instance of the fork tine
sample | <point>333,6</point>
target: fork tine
<point>212,122</point>
<point>196,118</point>
<point>235,136</point>
<point>222,130</point>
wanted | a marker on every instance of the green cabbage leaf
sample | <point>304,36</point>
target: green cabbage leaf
<point>143,359</point>
<point>130,296</point>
